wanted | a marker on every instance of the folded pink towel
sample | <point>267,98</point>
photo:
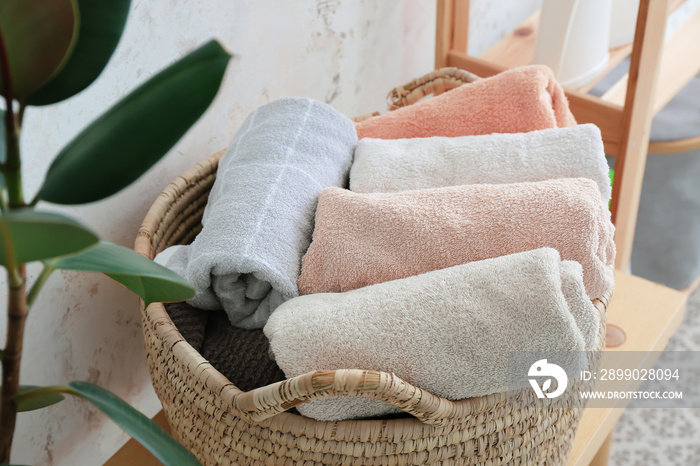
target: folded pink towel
<point>515,101</point>
<point>363,239</point>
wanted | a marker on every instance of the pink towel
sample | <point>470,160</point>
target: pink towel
<point>515,101</point>
<point>363,239</point>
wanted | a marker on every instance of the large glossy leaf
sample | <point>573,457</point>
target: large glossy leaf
<point>134,134</point>
<point>152,282</point>
<point>101,26</point>
<point>36,236</point>
<point>38,37</point>
<point>138,426</point>
<point>37,398</point>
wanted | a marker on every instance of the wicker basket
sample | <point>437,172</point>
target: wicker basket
<point>220,424</point>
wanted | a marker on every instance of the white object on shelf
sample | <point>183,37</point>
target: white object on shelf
<point>623,20</point>
<point>572,39</point>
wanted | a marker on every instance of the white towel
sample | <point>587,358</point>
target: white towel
<point>386,165</point>
<point>448,331</point>
<point>259,218</point>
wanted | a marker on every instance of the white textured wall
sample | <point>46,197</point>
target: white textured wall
<point>345,52</point>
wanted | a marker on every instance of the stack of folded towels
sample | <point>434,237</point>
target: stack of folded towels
<point>476,224</point>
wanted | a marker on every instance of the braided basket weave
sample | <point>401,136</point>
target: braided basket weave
<point>220,424</point>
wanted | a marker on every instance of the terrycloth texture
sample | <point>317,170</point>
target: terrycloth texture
<point>386,166</point>
<point>241,355</point>
<point>259,218</point>
<point>449,331</point>
<point>362,239</point>
<point>515,101</point>
<point>190,322</point>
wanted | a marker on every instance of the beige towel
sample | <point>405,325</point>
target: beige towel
<point>449,331</point>
<point>362,239</point>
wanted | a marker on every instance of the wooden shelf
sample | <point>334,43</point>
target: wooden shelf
<point>677,65</point>
<point>518,49</point>
<point>676,70</point>
<point>624,114</point>
<point>649,314</point>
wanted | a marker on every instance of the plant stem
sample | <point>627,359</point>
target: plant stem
<point>17,300</point>
<point>13,165</point>
<point>39,284</point>
<point>20,115</point>
<point>16,316</point>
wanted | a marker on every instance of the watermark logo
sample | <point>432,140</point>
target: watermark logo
<point>542,368</point>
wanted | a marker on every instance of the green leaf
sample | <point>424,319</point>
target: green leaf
<point>32,397</point>
<point>152,282</point>
<point>33,236</point>
<point>128,139</point>
<point>138,426</point>
<point>101,26</point>
<point>38,36</point>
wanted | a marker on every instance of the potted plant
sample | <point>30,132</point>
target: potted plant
<point>51,50</point>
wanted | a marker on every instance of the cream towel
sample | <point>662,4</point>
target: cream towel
<point>259,217</point>
<point>449,331</point>
<point>390,165</point>
<point>363,239</point>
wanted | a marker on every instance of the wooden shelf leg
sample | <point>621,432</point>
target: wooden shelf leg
<point>638,112</point>
<point>443,32</point>
<point>452,29</point>
<point>601,458</point>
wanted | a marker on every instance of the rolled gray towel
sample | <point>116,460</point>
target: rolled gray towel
<point>450,331</point>
<point>259,219</point>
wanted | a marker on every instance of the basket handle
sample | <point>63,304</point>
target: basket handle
<point>265,402</point>
<point>435,82</point>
